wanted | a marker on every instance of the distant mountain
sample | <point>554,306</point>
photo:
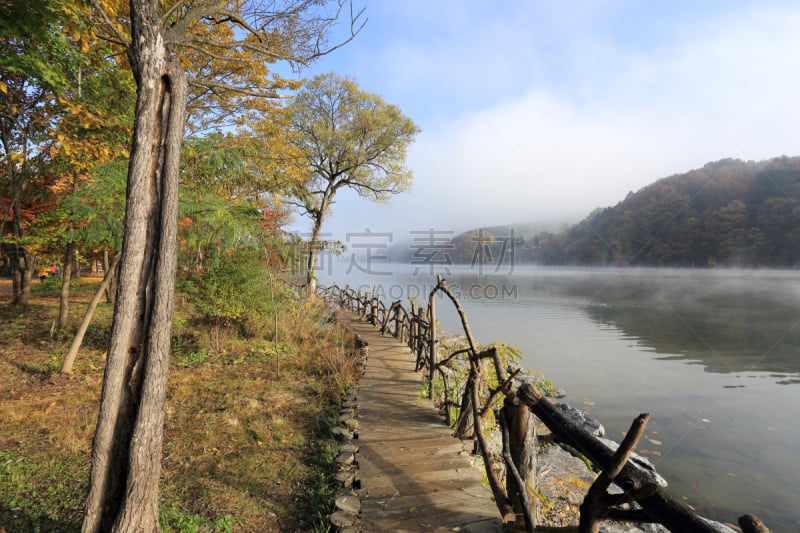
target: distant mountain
<point>730,212</point>
<point>487,245</point>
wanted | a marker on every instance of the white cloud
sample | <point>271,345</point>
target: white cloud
<point>547,136</point>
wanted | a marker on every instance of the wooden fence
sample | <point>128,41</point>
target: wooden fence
<point>475,399</point>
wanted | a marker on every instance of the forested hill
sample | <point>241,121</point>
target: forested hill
<point>728,213</point>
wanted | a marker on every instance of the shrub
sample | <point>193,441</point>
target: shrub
<point>229,291</point>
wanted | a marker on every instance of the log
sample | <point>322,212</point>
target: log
<point>660,506</point>
<point>519,452</point>
<point>596,503</point>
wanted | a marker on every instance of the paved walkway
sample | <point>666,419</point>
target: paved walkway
<point>414,475</point>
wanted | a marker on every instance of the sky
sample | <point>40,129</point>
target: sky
<point>541,111</point>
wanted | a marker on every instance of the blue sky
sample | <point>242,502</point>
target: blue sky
<point>543,110</point>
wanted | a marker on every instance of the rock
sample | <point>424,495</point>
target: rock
<point>350,422</point>
<point>342,519</point>
<point>621,527</point>
<point>345,458</point>
<point>341,434</point>
<point>578,417</point>
<point>722,528</point>
<point>348,448</point>
<point>345,477</point>
<point>560,475</point>
<point>640,462</point>
<point>349,504</point>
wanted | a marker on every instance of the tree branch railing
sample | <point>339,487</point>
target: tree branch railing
<point>476,399</point>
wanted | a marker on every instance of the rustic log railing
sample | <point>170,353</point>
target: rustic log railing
<point>416,326</point>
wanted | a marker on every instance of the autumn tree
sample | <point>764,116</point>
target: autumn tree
<point>347,138</point>
<point>67,110</point>
<point>32,54</point>
<point>228,43</point>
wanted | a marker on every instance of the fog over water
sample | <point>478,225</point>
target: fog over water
<point>536,110</point>
<point>713,355</point>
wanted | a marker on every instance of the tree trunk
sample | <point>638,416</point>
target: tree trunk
<point>111,288</point>
<point>522,439</point>
<point>21,284</point>
<point>313,255</point>
<point>16,274</point>
<point>465,425</point>
<point>66,277</point>
<point>126,453</point>
<point>26,278</point>
<point>69,359</point>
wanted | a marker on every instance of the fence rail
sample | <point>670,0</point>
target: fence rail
<point>474,398</point>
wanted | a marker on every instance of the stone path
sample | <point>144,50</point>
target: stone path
<point>414,476</point>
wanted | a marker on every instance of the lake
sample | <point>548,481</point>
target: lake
<point>712,355</point>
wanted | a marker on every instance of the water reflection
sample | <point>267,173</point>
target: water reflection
<point>728,322</point>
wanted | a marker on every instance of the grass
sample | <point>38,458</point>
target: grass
<point>247,442</point>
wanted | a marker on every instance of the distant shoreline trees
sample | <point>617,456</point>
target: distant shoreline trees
<point>728,213</point>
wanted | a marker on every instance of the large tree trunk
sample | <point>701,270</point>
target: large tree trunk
<point>66,277</point>
<point>21,279</point>
<point>126,454</point>
<point>26,278</point>
<point>313,257</point>
<point>16,273</point>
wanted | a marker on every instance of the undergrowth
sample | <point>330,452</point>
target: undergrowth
<point>247,443</point>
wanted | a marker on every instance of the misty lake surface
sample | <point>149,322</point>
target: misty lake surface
<point>712,355</point>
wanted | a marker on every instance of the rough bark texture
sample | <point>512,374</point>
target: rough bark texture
<point>26,278</point>
<point>313,257</point>
<point>126,456</point>
<point>111,290</point>
<point>66,277</point>
<point>522,436</point>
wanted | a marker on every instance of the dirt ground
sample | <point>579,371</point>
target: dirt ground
<point>5,290</point>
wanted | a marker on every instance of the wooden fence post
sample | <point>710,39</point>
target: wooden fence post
<point>432,349</point>
<point>522,447</point>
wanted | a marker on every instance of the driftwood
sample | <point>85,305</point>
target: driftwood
<point>658,505</point>
<point>598,502</point>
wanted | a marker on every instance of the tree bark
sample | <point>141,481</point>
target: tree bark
<point>16,273</point>
<point>313,256</point>
<point>111,289</point>
<point>21,279</point>
<point>66,277</point>
<point>522,436</point>
<point>26,278</point>
<point>126,455</point>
